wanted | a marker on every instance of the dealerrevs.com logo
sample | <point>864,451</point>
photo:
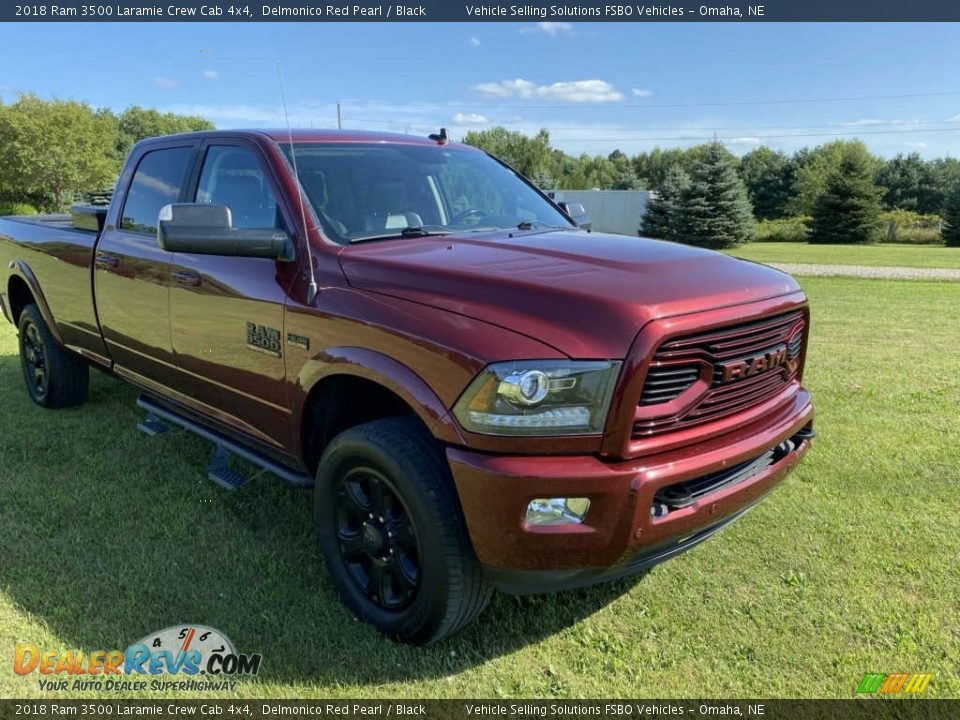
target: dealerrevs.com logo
<point>190,651</point>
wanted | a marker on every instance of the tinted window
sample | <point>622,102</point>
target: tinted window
<point>156,183</point>
<point>232,176</point>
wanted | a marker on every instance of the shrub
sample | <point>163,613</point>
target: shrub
<point>788,229</point>
<point>17,208</point>
<point>906,226</point>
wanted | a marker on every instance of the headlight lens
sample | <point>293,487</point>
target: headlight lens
<point>539,397</point>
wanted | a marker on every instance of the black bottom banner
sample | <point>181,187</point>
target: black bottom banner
<point>873,709</point>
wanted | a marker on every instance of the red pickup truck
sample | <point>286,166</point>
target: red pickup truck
<point>481,393</point>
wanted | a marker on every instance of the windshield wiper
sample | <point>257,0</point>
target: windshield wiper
<point>530,224</point>
<point>407,232</point>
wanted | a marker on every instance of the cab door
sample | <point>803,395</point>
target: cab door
<point>227,313</point>
<point>132,274</point>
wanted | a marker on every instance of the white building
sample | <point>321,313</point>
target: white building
<point>613,211</point>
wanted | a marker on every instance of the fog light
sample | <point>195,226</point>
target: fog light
<point>557,511</point>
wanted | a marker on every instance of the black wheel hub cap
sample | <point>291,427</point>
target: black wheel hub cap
<point>35,360</point>
<point>376,539</point>
<point>372,540</point>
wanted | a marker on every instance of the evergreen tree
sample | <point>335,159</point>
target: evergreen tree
<point>661,218</point>
<point>716,211</point>
<point>768,176</point>
<point>848,209</point>
<point>951,218</point>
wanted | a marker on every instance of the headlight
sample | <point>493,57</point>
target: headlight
<point>539,397</point>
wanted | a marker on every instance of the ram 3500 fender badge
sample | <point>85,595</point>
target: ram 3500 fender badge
<point>263,339</point>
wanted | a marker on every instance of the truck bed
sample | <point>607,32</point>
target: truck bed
<point>59,221</point>
<point>52,255</point>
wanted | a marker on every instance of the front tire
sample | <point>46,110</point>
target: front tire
<point>54,376</point>
<point>392,533</point>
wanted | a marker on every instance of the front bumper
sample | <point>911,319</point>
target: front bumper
<point>619,535</point>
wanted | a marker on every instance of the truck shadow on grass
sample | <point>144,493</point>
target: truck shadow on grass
<point>109,535</point>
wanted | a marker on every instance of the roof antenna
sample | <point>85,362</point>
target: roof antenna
<point>440,139</point>
<point>312,287</point>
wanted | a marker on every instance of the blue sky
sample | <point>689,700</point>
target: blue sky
<point>595,86</point>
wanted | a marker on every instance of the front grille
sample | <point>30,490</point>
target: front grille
<point>665,383</point>
<point>751,363</point>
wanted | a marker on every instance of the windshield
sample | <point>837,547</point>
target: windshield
<point>363,191</point>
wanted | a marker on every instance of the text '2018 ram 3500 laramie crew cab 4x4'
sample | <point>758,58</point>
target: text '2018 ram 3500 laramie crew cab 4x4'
<point>482,394</point>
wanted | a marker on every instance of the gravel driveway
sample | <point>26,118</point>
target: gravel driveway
<point>869,271</point>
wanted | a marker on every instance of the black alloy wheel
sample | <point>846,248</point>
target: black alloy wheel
<point>55,377</point>
<point>392,532</point>
<point>35,363</point>
<point>376,538</point>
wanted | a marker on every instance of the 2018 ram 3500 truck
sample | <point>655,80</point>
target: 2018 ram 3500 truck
<point>482,394</point>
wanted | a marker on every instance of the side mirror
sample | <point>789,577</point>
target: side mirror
<point>207,229</point>
<point>576,212</point>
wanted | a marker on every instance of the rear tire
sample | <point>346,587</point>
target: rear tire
<point>54,376</point>
<point>392,533</point>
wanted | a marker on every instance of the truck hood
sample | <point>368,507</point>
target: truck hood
<point>585,294</point>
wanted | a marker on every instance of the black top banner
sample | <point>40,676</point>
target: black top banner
<point>480,11</point>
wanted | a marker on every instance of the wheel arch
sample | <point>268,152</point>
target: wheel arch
<point>347,386</point>
<point>23,289</point>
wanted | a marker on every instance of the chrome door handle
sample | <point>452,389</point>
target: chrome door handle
<point>107,262</point>
<point>186,277</point>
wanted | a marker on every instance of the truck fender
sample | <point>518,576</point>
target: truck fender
<point>383,370</point>
<point>21,270</point>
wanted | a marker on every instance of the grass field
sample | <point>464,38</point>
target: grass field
<point>850,566</point>
<point>924,256</point>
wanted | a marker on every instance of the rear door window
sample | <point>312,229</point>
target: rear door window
<point>157,182</point>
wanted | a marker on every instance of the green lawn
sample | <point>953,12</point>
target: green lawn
<point>850,566</point>
<point>924,256</point>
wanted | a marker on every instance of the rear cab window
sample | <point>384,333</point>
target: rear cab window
<point>157,182</point>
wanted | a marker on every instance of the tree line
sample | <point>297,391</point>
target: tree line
<point>54,151</point>
<point>837,192</point>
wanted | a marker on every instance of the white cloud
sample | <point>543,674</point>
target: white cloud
<point>955,118</point>
<point>507,88</point>
<point>470,119</point>
<point>165,82</point>
<point>863,122</point>
<point>917,145</point>
<point>475,41</point>
<point>581,91</point>
<point>640,92</point>
<point>576,91</point>
<point>867,122</point>
<point>211,74</point>
<point>554,28</point>
<point>743,141</point>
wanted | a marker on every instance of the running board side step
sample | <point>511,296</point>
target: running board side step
<point>225,449</point>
